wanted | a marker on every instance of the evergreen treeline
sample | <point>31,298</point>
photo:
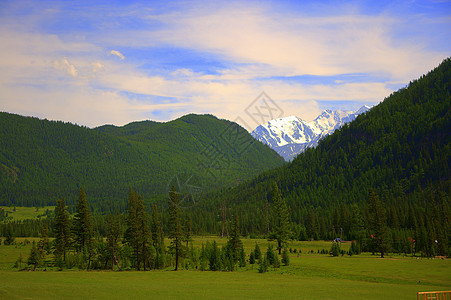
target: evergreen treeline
<point>134,240</point>
<point>42,160</point>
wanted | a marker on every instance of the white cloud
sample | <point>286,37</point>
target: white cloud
<point>118,54</point>
<point>65,66</point>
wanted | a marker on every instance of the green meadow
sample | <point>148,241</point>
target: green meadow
<point>309,276</point>
<point>24,213</point>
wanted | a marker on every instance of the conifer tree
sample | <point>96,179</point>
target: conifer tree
<point>83,227</point>
<point>175,225</point>
<point>377,223</point>
<point>113,238</point>
<point>276,262</point>
<point>357,226</point>
<point>144,235</point>
<point>270,255</point>
<point>214,261</point>
<point>35,256</point>
<point>203,258</point>
<point>10,238</point>
<point>285,257</point>
<point>263,265</point>
<point>312,227</point>
<point>281,219</point>
<point>257,252</point>
<point>138,232</point>
<point>45,244</point>
<point>158,238</point>
<point>252,258</point>
<point>234,240</point>
<point>228,263</point>
<point>188,230</point>
<point>242,258</point>
<point>131,233</point>
<point>61,230</point>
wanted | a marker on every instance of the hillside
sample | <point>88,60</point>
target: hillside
<point>42,160</point>
<point>400,148</point>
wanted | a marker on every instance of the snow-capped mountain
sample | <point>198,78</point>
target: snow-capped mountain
<point>290,136</point>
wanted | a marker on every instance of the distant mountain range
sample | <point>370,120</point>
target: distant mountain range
<point>291,135</point>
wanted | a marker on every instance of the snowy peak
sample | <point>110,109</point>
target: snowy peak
<point>283,131</point>
<point>291,135</point>
<point>363,109</point>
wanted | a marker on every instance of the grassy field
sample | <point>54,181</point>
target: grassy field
<point>309,276</point>
<point>23,213</point>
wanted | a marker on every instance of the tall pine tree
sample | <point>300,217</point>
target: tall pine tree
<point>281,231</point>
<point>61,230</point>
<point>377,224</point>
<point>175,225</point>
<point>83,227</point>
<point>138,232</point>
<point>234,241</point>
<point>113,238</point>
<point>158,238</point>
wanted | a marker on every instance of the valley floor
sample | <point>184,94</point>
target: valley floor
<point>309,276</point>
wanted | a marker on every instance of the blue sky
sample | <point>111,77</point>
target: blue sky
<point>114,62</point>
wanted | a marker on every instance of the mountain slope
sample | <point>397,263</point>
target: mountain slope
<point>290,136</point>
<point>41,160</point>
<point>401,149</point>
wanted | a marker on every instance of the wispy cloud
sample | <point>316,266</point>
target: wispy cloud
<point>118,54</point>
<point>65,66</point>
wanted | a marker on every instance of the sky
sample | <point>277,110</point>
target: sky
<point>114,62</point>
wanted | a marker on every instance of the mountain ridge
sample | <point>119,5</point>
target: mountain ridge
<point>291,135</point>
<point>43,160</point>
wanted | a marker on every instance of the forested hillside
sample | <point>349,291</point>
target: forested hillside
<point>400,149</point>
<point>41,161</point>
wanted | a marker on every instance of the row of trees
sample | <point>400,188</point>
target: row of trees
<point>409,231</point>
<point>141,244</point>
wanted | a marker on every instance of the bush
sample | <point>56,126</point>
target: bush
<point>270,255</point>
<point>257,252</point>
<point>252,258</point>
<point>335,249</point>
<point>285,257</point>
<point>276,263</point>
<point>263,265</point>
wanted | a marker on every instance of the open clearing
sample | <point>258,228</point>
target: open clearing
<point>18,213</point>
<point>309,276</point>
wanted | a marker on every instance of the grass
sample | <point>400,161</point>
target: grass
<point>23,213</point>
<point>309,276</point>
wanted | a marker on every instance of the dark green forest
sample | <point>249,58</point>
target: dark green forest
<point>383,180</point>
<point>41,161</point>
